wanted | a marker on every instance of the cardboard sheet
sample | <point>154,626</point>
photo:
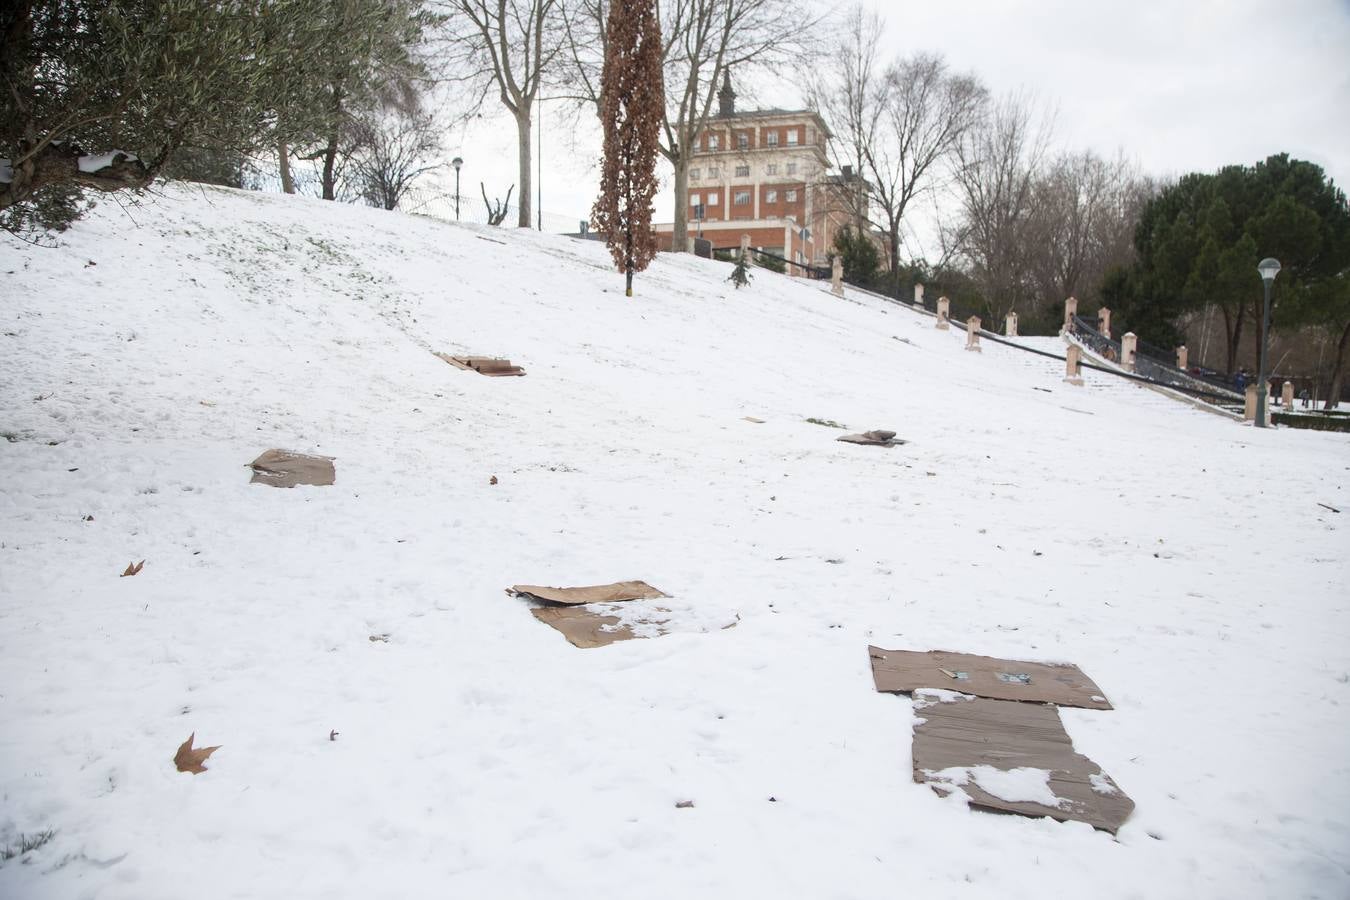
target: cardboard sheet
<point>281,468</point>
<point>483,365</point>
<point>903,671</point>
<point>957,739</point>
<point>874,438</point>
<point>598,593</point>
<point>588,627</point>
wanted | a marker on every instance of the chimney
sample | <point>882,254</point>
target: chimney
<point>726,97</point>
<point>848,173</point>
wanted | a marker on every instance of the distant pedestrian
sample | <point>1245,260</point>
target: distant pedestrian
<point>1303,395</point>
<point>1240,379</point>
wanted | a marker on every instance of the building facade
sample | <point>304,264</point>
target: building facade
<point>765,173</point>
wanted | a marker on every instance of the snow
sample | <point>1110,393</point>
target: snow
<point>1183,563</point>
<point>1022,784</point>
<point>92,162</point>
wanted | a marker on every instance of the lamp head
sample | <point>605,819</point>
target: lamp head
<point>1268,268</point>
<point>457,162</point>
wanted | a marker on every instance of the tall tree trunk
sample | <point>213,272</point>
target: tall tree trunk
<point>679,238</point>
<point>1232,326</point>
<point>330,167</point>
<point>523,132</point>
<point>1338,372</point>
<point>284,155</point>
<point>894,234</point>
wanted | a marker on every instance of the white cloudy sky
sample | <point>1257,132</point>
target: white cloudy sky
<point>1180,86</point>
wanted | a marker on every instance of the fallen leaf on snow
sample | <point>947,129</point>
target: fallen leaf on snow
<point>133,569</point>
<point>189,760</point>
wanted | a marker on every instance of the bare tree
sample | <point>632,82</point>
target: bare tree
<point>496,209</point>
<point>898,124</point>
<point>998,165</point>
<point>1085,209</point>
<point>392,149</point>
<point>844,95</point>
<point>510,46</point>
<point>701,40</point>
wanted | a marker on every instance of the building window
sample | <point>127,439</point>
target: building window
<point>792,137</point>
<point>741,198</point>
<point>696,199</point>
<point>712,142</point>
<point>743,141</point>
<point>694,174</point>
<point>791,196</point>
<point>771,139</point>
<point>742,171</point>
<point>771,168</point>
<point>792,168</point>
<point>712,199</point>
<point>771,197</point>
<point>714,172</point>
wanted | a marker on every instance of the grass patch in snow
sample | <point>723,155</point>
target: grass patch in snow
<point>828,423</point>
<point>26,844</point>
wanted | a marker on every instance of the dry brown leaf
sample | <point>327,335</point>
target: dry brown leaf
<point>492,480</point>
<point>190,760</point>
<point>133,568</point>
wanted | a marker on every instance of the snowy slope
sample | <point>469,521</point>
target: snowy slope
<point>1180,559</point>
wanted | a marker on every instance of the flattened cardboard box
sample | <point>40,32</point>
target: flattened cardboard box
<point>903,671</point>
<point>596,593</point>
<point>587,627</point>
<point>966,733</point>
<point>281,468</point>
<point>873,438</point>
<point>483,365</point>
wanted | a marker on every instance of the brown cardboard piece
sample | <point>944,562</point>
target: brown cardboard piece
<point>587,627</point>
<point>281,468</point>
<point>598,593</point>
<point>483,365</point>
<point>903,671</point>
<point>874,438</point>
<point>1004,735</point>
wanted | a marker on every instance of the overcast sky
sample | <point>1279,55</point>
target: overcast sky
<point>1179,86</point>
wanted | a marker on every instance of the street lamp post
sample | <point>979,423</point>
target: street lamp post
<point>1268,268</point>
<point>456,162</point>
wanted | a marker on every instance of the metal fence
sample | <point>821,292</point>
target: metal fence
<point>1148,364</point>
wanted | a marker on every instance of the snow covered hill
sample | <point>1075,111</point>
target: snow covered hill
<point>1180,559</point>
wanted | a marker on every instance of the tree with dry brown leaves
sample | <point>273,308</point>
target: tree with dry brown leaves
<point>632,106</point>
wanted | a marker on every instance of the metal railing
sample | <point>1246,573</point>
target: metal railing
<point>1148,366</point>
<point>817,272</point>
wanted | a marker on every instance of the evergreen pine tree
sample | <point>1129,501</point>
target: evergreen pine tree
<point>632,103</point>
<point>740,276</point>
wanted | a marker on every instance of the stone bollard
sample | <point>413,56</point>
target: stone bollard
<point>918,294</point>
<point>943,310</point>
<point>745,248</point>
<point>837,278</point>
<point>1181,357</point>
<point>1073,365</point>
<point>1104,320</point>
<point>1128,342</point>
<point>973,333</point>
<point>1010,326</point>
<point>1249,406</point>
<point>1070,310</point>
<point>1287,394</point>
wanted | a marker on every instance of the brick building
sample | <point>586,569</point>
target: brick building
<point>764,173</point>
